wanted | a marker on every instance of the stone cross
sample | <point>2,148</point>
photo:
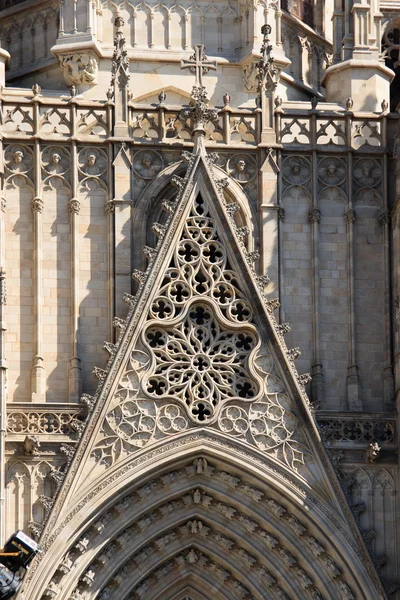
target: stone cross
<point>199,64</point>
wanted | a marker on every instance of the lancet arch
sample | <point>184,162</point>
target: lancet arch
<point>150,208</point>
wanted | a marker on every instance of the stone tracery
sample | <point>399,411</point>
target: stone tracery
<point>196,360</point>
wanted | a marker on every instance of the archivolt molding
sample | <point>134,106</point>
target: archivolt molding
<point>132,507</point>
<point>203,508</point>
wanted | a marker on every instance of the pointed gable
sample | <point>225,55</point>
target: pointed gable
<point>201,362</point>
<point>199,346</point>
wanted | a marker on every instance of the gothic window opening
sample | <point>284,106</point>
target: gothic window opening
<point>391,53</point>
<point>303,9</point>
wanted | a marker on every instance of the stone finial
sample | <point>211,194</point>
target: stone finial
<point>162,96</point>
<point>120,60</point>
<point>349,103</point>
<point>372,452</point>
<point>36,89</point>
<point>227,99</point>
<point>268,73</point>
<point>199,110</point>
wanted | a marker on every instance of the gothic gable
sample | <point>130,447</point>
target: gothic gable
<point>199,348</point>
<point>199,383</point>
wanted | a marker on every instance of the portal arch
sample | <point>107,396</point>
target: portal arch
<point>263,528</point>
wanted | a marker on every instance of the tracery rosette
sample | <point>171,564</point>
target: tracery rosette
<point>201,361</point>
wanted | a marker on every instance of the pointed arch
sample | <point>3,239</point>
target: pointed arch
<point>149,208</point>
<point>253,530</point>
<point>18,490</point>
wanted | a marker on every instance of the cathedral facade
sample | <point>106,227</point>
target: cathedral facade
<point>200,297</point>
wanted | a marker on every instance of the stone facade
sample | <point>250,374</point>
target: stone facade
<point>244,189</point>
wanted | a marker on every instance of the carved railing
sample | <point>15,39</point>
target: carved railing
<point>90,121</point>
<point>299,127</point>
<point>49,419</point>
<point>357,428</point>
<point>335,129</point>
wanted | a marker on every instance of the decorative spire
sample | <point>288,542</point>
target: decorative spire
<point>268,72</point>
<point>118,90</point>
<point>120,60</point>
<point>199,64</point>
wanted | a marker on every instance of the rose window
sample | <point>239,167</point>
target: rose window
<point>201,363</point>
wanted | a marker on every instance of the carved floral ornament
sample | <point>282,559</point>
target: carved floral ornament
<point>200,360</point>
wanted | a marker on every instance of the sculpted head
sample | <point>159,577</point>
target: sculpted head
<point>18,156</point>
<point>296,169</point>
<point>146,162</point>
<point>241,165</point>
<point>366,170</point>
<point>56,159</point>
<point>91,160</point>
<point>331,170</point>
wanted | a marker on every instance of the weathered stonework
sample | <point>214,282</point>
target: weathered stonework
<point>179,181</point>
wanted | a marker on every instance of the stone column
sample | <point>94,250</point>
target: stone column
<point>395,219</point>
<point>354,401</point>
<point>388,382</point>
<point>121,210</point>
<point>38,375</point>
<point>317,384</point>
<point>268,214</point>
<point>4,60</point>
<point>75,369</point>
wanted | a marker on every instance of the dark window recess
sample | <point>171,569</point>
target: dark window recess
<point>303,9</point>
<point>391,52</point>
<point>7,3</point>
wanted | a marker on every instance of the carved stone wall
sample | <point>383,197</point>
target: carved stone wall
<point>350,245</point>
<point>29,36</point>
<point>84,205</point>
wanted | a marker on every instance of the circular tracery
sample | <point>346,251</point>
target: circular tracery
<point>200,362</point>
<point>200,267</point>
